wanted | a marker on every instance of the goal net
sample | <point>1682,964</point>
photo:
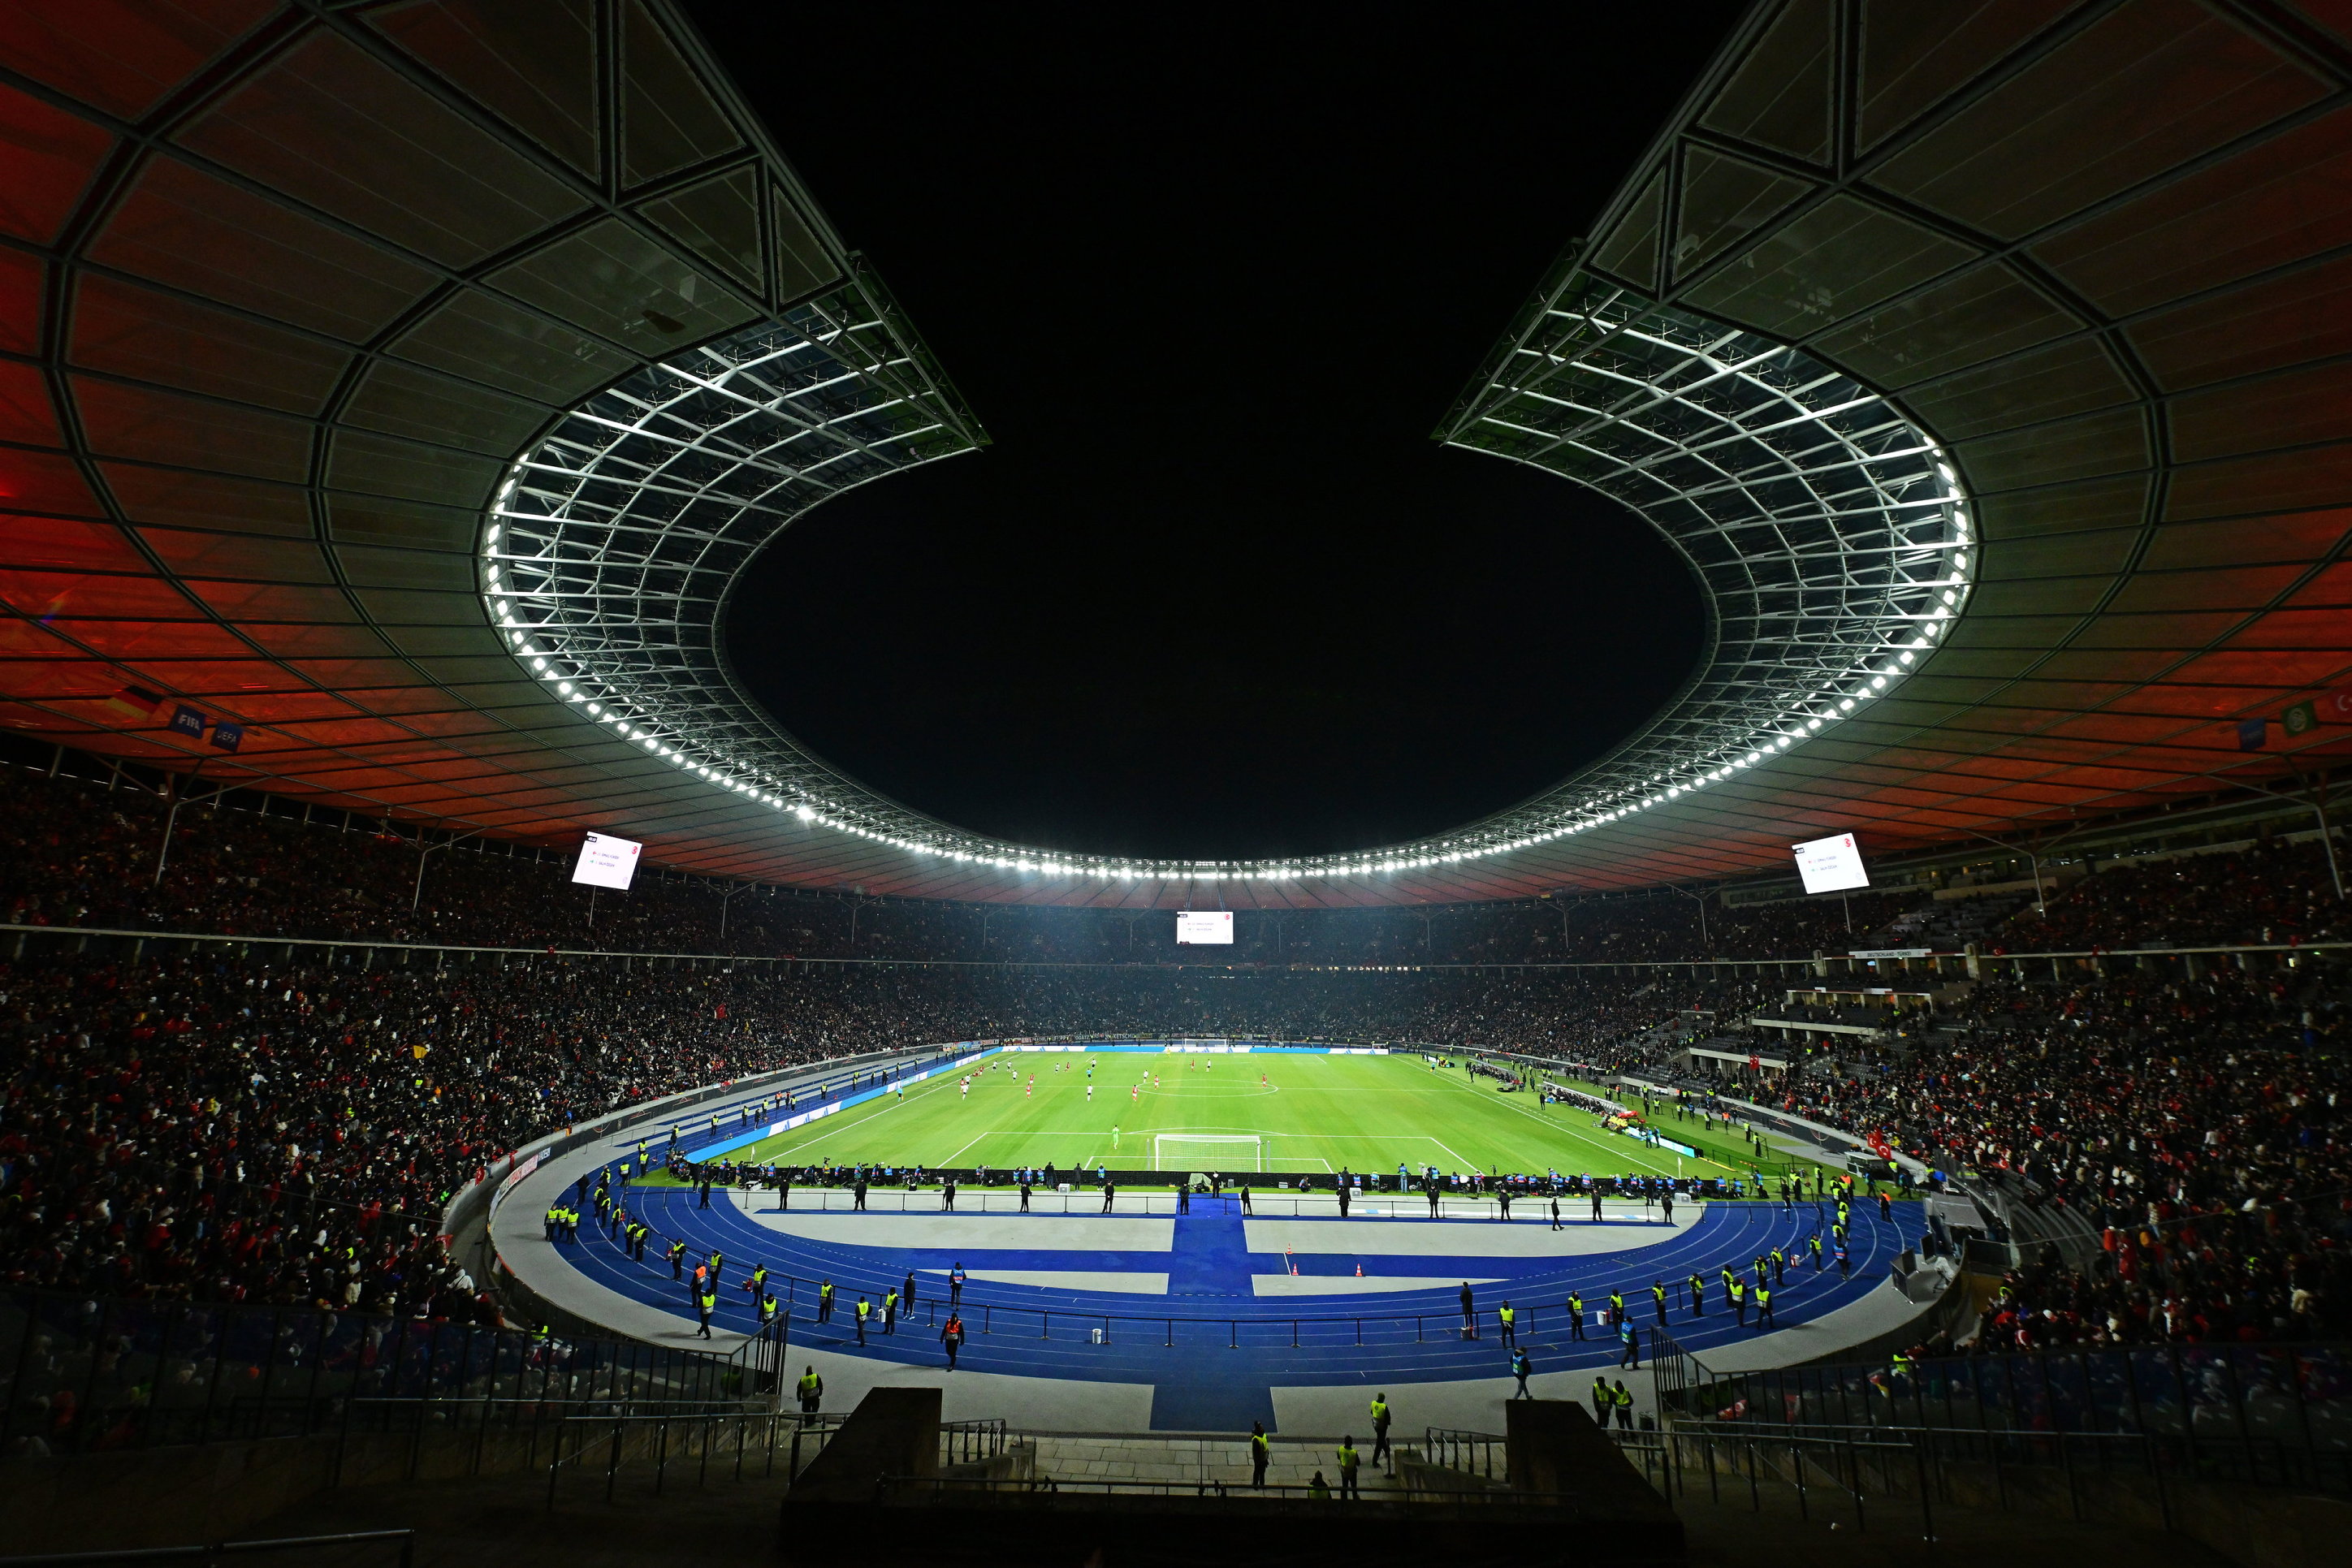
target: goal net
<point>1208,1152</point>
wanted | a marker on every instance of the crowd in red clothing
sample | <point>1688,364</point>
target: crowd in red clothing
<point>286,1128</point>
<point>2201,1127</point>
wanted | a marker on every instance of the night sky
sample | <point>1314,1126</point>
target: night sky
<point>1214,591</point>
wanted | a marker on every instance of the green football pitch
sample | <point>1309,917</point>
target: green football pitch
<point>1308,1113</point>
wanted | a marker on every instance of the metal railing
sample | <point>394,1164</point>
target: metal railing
<point>79,1376</point>
<point>485,1434</point>
<point>1935,962</point>
<point>214,1552</point>
<point>1829,1473</point>
<point>961,1442</point>
<point>1548,1328</point>
<point>971,1442</point>
<point>2272,1414</point>
<point>612,1443</point>
<point>937,1491</point>
<point>1473,1453</point>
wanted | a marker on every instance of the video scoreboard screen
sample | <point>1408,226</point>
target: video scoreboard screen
<point>1831,865</point>
<point>607,861</point>
<point>1205,927</point>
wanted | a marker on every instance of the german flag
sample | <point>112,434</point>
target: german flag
<point>134,705</point>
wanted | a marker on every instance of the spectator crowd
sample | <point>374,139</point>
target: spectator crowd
<point>285,1128</point>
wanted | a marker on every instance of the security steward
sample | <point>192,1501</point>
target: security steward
<point>678,1259</point>
<point>811,1392</point>
<point>1379,1427</point>
<point>1350,1461</point>
<point>1261,1450</point>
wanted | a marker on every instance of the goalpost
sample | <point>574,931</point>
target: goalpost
<point>1208,1151</point>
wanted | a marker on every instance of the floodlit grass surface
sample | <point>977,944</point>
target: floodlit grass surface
<point>1314,1114</point>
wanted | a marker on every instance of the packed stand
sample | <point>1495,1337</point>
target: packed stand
<point>257,1131</point>
<point>2276,893</point>
<point>2200,1127</point>
<point>81,853</point>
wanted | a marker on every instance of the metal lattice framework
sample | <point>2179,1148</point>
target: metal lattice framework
<point>298,286</point>
<point>1829,531</point>
<point>1831,540</point>
<point>611,548</point>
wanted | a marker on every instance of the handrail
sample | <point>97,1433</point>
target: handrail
<point>407,1539</point>
<point>887,1487</point>
<point>980,1314</point>
<point>308,1371</point>
<point>608,1435</point>
<point>1456,1445</point>
<point>1807,960</point>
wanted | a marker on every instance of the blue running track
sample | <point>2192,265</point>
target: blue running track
<point>1212,1348</point>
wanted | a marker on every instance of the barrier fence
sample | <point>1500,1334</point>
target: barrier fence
<point>403,1542</point>
<point>83,1375</point>
<point>2265,1414</point>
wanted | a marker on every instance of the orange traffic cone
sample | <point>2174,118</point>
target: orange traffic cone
<point>1360,1270</point>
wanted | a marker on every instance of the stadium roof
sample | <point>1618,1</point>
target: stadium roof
<point>404,385</point>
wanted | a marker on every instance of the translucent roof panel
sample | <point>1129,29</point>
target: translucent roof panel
<point>366,378</point>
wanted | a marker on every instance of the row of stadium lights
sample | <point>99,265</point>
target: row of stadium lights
<point>1801,723</point>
